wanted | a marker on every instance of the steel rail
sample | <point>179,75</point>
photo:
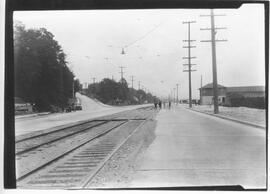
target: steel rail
<point>67,152</point>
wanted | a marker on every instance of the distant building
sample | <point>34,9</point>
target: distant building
<point>251,96</point>
<point>206,94</point>
<point>235,96</point>
<point>247,91</point>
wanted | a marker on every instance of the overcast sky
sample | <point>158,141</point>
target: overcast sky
<point>93,42</point>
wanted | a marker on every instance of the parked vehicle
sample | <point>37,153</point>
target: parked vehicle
<point>78,107</point>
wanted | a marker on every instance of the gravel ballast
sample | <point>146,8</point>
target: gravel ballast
<point>119,170</point>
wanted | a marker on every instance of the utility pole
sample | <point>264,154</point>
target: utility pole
<point>122,73</point>
<point>177,93</point>
<point>213,41</point>
<point>132,79</point>
<point>174,95</point>
<point>201,92</point>
<point>73,93</point>
<point>143,88</point>
<point>189,60</point>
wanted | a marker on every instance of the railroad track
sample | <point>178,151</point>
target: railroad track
<point>70,157</point>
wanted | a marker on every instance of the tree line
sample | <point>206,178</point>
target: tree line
<point>112,92</point>
<point>41,75</point>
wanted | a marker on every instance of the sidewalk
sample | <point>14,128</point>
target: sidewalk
<point>192,149</point>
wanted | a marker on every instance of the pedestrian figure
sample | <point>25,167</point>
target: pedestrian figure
<point>159,104</point>
<point>169,104</point>
<point>155,103</point>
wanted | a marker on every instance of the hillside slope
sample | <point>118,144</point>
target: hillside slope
<point>90,104</point>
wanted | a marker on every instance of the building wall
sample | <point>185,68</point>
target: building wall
<point>225,97</point>
<point>252,94</point>
<point>245,99</point>
<point>207,100</point>
<point>209,92</point>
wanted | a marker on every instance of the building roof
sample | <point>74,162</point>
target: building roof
<point>210,85</point>
<point>246,89</point>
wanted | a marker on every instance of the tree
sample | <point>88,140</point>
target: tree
<point>108,91</point>
<point>41,73</point>
<point>77,85</point>
<point>122,90</point>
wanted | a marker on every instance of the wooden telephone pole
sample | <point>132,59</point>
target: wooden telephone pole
<point>213,41</point>
<point>122,73</point>
<point>201,92</point>
<point>189,60</point>
<point>177,92</point>
<point>132,79</point>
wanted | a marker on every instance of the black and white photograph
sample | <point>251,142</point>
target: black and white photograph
<point>140,98</point>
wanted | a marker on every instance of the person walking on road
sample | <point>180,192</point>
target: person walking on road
<point>159,104</point>
<point>155,104</point>
<point>169,104</point>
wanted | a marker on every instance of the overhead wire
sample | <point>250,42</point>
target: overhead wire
<point>144,36</point>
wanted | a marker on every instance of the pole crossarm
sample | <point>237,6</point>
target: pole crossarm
<point>221,40</point>
<point>189,40</point>
<point>217,28</point>
<point>189,64</point>
<point>207,15</point>
<point>217,40</point>
<point>189,22</point>
<point>189,57</point>
<point>189,46</point>
<point>189,70</point>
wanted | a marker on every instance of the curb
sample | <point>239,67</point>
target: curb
<point>230,119</point>
<point>31,115</point>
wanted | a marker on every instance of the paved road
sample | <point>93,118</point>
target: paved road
<point>31,124</point>
<point>194,149</point>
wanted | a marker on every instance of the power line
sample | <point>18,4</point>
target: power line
<point>144,36</point>
<point>213,41</point>
<point>189,60</point>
